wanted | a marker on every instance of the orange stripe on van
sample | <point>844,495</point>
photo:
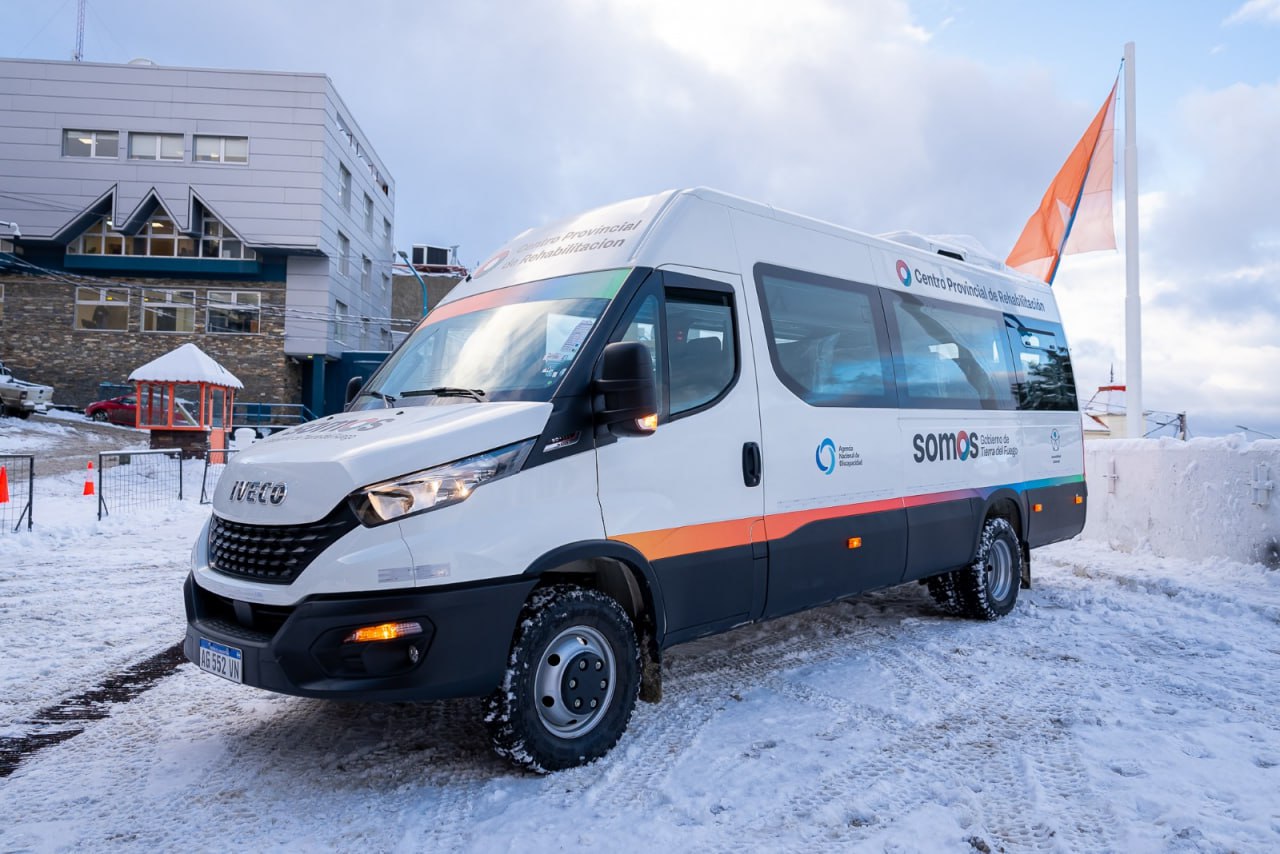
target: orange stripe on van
<point>688,539</point>
<point>672,542</point>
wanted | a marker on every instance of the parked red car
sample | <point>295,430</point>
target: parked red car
<point>117,410</point>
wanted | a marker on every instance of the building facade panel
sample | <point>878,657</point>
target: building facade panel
<point>93,175</point>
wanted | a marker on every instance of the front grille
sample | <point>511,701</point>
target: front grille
<point>275,554</point>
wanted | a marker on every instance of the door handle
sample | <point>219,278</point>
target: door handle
<point>752,464</point>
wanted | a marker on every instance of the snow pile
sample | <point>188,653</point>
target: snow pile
<point>1130,702</point>
<point>1206,498</point>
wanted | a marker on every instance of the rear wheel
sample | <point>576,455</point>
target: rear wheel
<point>571,683</point>
<point>986,589</point>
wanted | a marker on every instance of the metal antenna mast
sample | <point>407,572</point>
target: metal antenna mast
<point>79,54</point>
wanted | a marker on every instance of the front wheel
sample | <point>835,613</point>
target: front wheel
<point>99,416</point>
<point>571,681</point>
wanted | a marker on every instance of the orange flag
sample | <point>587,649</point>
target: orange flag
<point>1075,213</point>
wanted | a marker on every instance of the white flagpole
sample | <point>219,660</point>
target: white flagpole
<point>1136,424</point>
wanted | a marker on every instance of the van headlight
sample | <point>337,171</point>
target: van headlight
<point>433,488</point>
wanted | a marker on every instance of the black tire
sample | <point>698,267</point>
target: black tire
<point>565,631</point>
<point>100,415</point>
<point>988,587</point>
<point>944,591</point>
<point>22,413</point>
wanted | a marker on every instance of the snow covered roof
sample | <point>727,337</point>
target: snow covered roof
<point>187,364</point>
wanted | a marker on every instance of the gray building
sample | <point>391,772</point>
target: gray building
<point>242,210</point>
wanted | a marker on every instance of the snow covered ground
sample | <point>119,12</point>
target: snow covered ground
<point>1130,703</point>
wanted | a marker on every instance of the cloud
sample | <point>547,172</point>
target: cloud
<point>1267,11</point>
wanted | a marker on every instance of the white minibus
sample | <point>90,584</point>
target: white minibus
<point>649,423</point>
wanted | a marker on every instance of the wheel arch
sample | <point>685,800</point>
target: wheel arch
<point>623,572</point>
<point>1009,505</point>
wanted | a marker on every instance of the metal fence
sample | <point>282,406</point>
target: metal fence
<point>129,480</point>
<point>214,463</point>
<point>267,417</point>
<point>17,486</point>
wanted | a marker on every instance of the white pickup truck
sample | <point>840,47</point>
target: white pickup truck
<point>22,398</point>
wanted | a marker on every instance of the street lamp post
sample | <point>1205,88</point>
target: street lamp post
<point>414,270</point>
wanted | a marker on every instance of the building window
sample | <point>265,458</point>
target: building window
<point>341,313</point>
<point>168,311</point>
<point>1,303</point>
<point>344,187</point>
<point>218,241</point>
<point>368,214</point>
<point>90,143</point>
<point>155,146</point>
<point>386,283</point>
<point>160,237</point>
<point>384,336</point>
<point>386,234</point>
<point>366,274</point>
<point>102,308</point>
<point>233,312</point>
<point>344,255</point>
<point>220,149</point>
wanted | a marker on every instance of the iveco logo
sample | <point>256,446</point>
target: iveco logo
<point>259,491</point>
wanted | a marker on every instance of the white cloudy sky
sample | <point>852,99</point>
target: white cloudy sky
<point>932,115</point>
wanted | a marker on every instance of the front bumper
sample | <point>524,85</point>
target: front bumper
<point>462,651</point>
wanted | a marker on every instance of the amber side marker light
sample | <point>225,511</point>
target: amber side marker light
<point>855,542</point>
<point>1037,507</point>
<point>1079,499</point>
<point>649,423</point>
<point>384,632</point>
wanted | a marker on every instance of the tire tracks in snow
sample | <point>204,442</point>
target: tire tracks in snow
<point>65,719</point>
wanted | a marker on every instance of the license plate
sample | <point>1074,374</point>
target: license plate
<point>221,660</point>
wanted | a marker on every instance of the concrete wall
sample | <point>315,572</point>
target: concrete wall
<point>1193,500</point>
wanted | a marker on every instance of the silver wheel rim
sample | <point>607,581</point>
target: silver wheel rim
<point>999,569</point>
<point>574,683</point>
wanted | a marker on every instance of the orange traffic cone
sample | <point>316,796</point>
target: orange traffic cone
<point>88,480</point>
<point>4,485</point>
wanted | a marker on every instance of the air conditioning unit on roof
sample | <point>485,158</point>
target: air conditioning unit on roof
<point>434,255</point>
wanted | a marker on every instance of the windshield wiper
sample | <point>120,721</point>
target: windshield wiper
<point>446,391</point>
<point>388,400</point>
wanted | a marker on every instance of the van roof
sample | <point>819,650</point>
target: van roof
<point>687,225</point>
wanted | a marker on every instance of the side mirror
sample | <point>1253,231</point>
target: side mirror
<point>353,388</point>
<point>625,392</point>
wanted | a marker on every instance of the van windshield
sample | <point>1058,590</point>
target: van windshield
<point>514,343</point>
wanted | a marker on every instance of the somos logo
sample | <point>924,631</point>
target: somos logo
<point>935,447</point>
<point>826,456</point>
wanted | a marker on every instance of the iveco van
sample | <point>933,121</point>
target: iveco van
<point>649,423</point>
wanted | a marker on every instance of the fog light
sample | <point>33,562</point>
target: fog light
<point>383,632</point>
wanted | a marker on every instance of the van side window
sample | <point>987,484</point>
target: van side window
<point>827,338</point>
<point>950,356</point>
<point>701,345</point>
<point>1043,365</point>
